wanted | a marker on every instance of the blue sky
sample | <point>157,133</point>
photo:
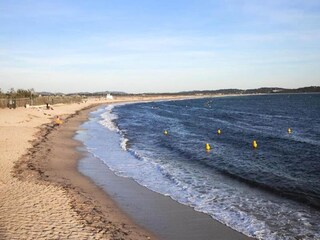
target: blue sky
<point>158,46</point>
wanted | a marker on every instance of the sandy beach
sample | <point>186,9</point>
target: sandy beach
<point>43,196</point>
<point>31,207</point>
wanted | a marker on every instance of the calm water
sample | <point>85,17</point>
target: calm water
<point>272,192</point>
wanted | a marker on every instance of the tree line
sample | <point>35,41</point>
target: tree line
<point>19,93</point>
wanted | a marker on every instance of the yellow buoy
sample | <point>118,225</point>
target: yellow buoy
<point>165,132</point>
<point>254,144</point>
<point>208,147</point>
<point>219,131</point>
<point>289,130</point>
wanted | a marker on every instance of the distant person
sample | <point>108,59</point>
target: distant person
<point>48,107</point>
<point>58,121</point>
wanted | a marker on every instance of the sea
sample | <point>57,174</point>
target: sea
<point>269,192</point>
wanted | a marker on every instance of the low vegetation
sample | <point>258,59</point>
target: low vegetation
<point>20,93</point>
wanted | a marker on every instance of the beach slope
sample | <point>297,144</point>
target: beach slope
<point>34,206</point>
<point>44,196</point>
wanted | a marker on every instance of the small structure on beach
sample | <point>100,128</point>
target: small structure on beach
<point>109,96</point>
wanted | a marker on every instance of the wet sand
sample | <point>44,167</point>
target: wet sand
<point>163,216</point>
<point>52,163</point>
<point>32,209</point>
<point>43,195</point>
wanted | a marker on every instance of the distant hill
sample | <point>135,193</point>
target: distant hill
<point>49,94</point>
<point>102,93</point>
<point>303,90</point>
<point>264,90</point>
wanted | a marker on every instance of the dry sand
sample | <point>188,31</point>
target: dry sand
<point>31,208</point>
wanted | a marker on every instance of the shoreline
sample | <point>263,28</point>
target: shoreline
<point>31,208</point>
<point>165,217</point>
<point>151,209</point>
<point>88,211</point>
<point>94,208</point>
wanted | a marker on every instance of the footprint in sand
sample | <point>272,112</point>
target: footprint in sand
<point>1,183</point>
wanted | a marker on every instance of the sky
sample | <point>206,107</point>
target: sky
<point>158,46</point>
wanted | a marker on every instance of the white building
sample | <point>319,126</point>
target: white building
<point>109,96</point>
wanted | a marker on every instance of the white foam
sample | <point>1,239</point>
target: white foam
<point>107,119</point>
<point>250,211</point>
<point>123,143</point>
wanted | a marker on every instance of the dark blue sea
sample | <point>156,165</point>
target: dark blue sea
<point>271,192</point>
